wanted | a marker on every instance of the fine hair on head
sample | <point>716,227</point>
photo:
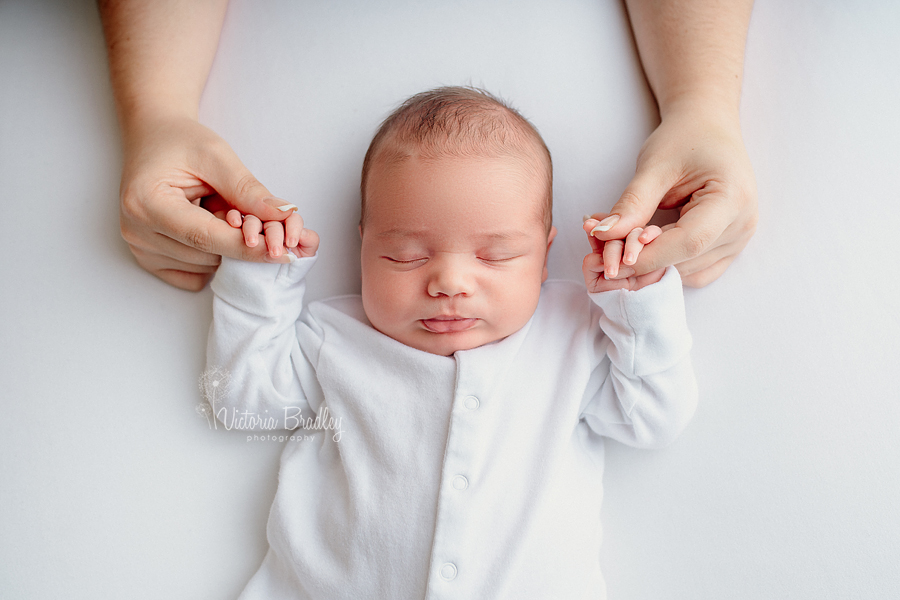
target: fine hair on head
<point>459,121</point>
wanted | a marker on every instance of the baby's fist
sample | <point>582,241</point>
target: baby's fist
<point>606,267</point>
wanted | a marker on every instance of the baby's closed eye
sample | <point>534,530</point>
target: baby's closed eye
<point>405,261</point>
<point>498,258</point>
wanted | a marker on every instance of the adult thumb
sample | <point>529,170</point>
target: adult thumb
<point>241,190</point>
<point>636,205</point>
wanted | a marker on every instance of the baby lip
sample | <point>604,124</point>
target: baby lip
<point>448,323</point>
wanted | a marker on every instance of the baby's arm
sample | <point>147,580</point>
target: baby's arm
<point>601,267</point>
<point>257,339</point>
<point>644,392</point>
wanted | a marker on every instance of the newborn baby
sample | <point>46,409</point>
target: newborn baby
<point>473,395</point>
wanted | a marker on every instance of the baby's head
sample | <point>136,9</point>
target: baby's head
<point>456,221</point>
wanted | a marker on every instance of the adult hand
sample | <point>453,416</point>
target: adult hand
<point>692,52</point>
<point>694,160</point>
<point>170,165</point>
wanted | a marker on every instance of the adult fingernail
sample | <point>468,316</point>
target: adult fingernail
<point>606,224</point>
<point>281,204</point>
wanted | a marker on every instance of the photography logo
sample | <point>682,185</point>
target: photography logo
<point>215,384</point>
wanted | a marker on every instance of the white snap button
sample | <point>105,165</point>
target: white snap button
<point>471,402</point>
<point>460,482</point>
<point>448,571</point>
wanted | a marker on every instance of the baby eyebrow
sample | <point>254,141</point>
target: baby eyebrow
<point>399,233</point>
<point>491,235</point>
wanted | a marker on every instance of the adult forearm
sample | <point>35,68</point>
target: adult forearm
<point>692,50</point>
<point>160,53</point>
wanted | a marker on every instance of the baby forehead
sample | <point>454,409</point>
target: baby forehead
<point>463,194</point>
<point>455,168</point>
<point>456,171</point>
<point>392,152</point>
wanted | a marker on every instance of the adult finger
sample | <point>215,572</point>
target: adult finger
<point>151,242</point>
<point>183,275</point>
<point>237,185</point>
<point>153,261</point>
<point>192,282</point>
<point>589,223</point>
<point>696,232</point>
<point>197,228</point>
<point>708,259</point>
<point>706,276</point>
<point>638,202</point>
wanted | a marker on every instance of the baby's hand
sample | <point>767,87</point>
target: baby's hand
<point>601,267</point>
<point>281,237</point>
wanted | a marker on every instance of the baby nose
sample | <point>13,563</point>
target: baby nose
<point>450,277</point>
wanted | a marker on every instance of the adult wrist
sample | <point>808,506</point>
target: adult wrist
<point>136,117</point>
<point>723,106</point>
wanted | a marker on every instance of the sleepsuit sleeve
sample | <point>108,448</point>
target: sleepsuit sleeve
<point>650,392</point>
<point>255,344</point>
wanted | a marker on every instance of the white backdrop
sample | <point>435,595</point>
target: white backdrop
<point>786,484</point>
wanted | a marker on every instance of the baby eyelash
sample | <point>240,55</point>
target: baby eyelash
<point>404,262</point>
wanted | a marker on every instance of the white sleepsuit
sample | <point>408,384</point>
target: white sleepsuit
<point>474,476</point>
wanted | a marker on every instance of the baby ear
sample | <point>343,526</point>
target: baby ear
<point>550,237</point>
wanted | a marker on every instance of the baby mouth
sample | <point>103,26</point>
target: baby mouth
<point>448,324</point>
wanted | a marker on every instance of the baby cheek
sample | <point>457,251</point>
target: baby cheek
<point>387,295</point>
<point>516,301</point>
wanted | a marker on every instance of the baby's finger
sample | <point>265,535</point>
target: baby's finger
<point>650,233</point>
<point>612,256</point>
<point>234,218</point>
<point>274,238</point>
<point>592,263</point>
<point>251,228</point>
<point>633,246</point>
<point>293,226</point>
<point>308,244</point>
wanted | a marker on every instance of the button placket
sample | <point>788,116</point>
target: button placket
<point>453,502</point>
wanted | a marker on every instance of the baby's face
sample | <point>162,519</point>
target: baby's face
<point>454,251</point>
